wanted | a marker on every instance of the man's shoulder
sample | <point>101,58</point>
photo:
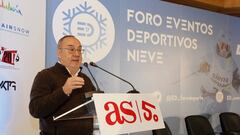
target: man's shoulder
<point>47,71</point>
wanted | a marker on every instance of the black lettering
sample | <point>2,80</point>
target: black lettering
<point>6,85</point>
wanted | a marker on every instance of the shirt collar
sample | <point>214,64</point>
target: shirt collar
<point>76,74</point>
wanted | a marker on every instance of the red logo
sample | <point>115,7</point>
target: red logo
<point>8,56</point>
<point>124,113</point>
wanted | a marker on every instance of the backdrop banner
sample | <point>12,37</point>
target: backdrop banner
<point>188,57</point>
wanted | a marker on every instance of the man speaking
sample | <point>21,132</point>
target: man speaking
<point>60,88</point>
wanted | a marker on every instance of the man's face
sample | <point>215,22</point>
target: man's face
<point>70,53</point>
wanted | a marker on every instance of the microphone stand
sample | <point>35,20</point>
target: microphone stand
<point>98,89</point>
<point>131,91</point>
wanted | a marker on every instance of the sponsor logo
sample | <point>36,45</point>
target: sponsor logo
<point>8,85</point>
<point>90,22</point>
<point>14,29</point>
<point>8,58</point>
<point>10,7</point>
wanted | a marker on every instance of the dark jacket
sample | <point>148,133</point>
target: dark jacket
<point>47,99</point>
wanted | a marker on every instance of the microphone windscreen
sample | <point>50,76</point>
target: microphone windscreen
<point>93,64</point>
<point>85,64</point>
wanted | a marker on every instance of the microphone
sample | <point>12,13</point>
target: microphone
<point>98,89</point>
<point>131,91</point>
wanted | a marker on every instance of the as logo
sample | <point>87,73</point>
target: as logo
<point>90,22</point>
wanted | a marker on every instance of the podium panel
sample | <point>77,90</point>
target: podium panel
<point>127,113</point>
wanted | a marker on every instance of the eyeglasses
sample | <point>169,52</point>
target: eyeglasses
<point>72,50</point>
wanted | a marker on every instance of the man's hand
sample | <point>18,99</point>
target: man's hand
<point>72,83</point>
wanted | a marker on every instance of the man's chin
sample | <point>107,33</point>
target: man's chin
<point>75,65</point>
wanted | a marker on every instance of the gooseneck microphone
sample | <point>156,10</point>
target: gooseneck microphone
<point>131,91</point>
<point>97,89</point>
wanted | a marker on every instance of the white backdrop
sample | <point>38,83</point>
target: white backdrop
<point>22,55</point>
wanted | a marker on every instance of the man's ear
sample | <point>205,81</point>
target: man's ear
<point>58,53</point>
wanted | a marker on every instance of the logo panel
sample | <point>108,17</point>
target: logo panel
<point>90,22</point>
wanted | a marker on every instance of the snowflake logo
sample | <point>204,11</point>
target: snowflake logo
<point>90,22</point>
